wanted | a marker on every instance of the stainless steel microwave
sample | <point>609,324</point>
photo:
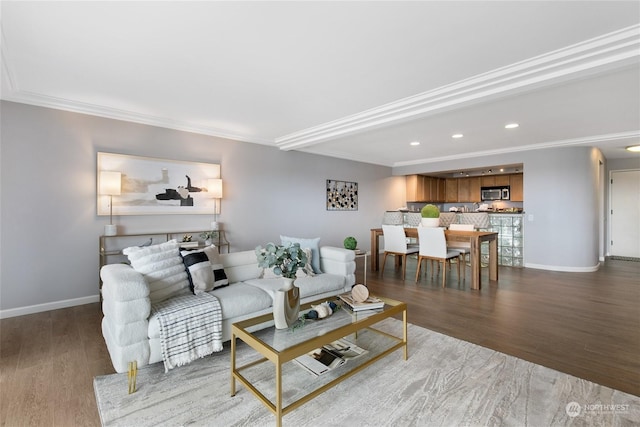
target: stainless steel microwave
<point>495,193</point>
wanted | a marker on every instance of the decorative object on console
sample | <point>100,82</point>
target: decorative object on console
<point>110,184</point>
<point>430,216</point>
<point>342,195</point>
<point>350,243</point>
<point>214,186</point>
<point>285,261</point>
<point>208,236</point>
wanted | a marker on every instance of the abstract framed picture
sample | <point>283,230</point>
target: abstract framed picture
<point>150,186</point>
<point>342,195</point>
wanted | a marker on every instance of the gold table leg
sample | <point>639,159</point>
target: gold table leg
<point>132,375</point>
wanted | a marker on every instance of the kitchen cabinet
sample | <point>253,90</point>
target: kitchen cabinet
<point>463,190</point>
<point>422,188</point>
<point>436,189</point>
<point>474,189</point>
<point>451,190</point>
<point>415,188</point>
<point>488,181</point>
<point>469,190</point>
<point>502,180</point>
<point>516,182</point>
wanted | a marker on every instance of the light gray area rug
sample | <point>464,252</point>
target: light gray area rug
<point>445,382</point>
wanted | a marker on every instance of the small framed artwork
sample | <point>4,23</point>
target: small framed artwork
<point>342,195</point>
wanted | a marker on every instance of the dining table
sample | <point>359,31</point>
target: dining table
<point>475,238</point>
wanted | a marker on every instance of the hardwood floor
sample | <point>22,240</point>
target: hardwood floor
<point>584,324</point>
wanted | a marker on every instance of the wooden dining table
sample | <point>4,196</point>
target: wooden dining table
<point>476,238</point>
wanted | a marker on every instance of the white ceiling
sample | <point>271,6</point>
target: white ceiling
<point>354,80</point>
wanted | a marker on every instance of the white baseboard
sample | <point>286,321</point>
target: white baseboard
<point>39,308</point>
<point>563,268</point>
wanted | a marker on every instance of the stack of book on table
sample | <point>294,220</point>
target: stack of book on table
<point>371,303</point>
<point>330,356</point>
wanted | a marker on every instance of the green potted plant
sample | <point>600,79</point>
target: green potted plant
<point>430,216</point>
<point>350,243</point>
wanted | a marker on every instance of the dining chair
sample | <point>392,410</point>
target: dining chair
<point>395,243</point>
<point>433,246</point>
<point>463,247</point>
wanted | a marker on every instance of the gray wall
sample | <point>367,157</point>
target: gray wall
<point>49,227</point>
<point>562,190</point>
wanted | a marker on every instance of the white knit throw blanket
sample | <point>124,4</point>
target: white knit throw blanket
<point>190,328</point>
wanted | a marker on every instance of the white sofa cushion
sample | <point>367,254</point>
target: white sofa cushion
<point>309,286</point>
<point>240,266</point>
<point>162,267</point>
<point>236,300</point>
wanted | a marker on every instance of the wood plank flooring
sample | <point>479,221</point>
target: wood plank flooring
<point>584,324</point>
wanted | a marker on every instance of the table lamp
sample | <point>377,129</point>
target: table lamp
<point>110,185</point>
<point>215,189</point>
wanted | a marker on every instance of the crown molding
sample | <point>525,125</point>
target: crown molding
<point>40,100</point>
<point>612,50</point>
<point>587,140</point>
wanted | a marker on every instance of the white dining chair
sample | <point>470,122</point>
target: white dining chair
<point>433,246</point>
<point>463,247</point>
<point>395,243</point>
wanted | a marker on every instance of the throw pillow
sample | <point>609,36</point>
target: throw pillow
<point>199,270</point>
<point>220,279</point>
<point>313,244</point>
<point>162,267</point>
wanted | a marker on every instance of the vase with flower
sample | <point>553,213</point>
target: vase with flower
<point>285,261</point>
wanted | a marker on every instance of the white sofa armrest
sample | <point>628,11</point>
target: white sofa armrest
<point>335,260</point>
<point>120,282</point>
<point>126,307</point>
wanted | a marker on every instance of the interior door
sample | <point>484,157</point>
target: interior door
<point>625,213</point>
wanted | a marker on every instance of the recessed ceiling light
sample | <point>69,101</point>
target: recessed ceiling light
<point>633,148</point>
<point>414,143</point>
<point>457,135</point>
<point>511,126</point>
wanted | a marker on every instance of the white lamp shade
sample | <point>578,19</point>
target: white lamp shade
<point>214,186</point>
<point>110,183</point>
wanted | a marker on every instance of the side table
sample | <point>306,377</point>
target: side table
<point>363,254</point>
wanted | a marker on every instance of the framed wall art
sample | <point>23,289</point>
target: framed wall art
<point>342,195</point>
<point>155,186</point>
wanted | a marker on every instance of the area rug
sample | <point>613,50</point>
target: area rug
<point>445,382</point>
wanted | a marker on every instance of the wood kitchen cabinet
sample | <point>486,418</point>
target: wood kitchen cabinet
<point>516,182</point>
<point>463,190</point>
<point>474,189</point>
<point>469,189</point>
<point>415,188</point>
<point>488,181</point>
<point>502,180</point>
<point>438,189</point>
<point>422,188</point>
<point>451,190</point>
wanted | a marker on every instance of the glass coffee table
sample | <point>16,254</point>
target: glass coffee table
<point>280,346</point>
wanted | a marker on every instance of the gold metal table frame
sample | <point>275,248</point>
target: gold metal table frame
<point>302,346</point>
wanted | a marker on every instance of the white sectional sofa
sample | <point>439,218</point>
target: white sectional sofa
<point>131,331</point>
